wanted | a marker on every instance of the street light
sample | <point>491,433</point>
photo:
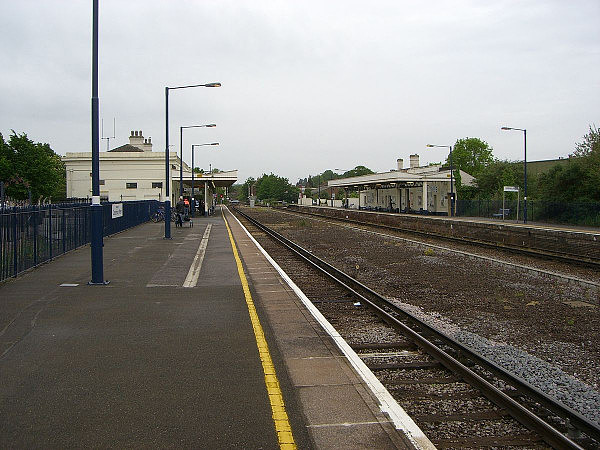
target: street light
<point>197,145</point>
<point>524,169</point>
<point>96,241</point>
<point>451,177</point>
<point>167,167</point>
<point>210,125</point>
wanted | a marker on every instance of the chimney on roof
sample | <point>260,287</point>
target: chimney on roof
<point>400,163</point>
<point>137,139</point>
<point>414,161</point>
<point>147,145</point>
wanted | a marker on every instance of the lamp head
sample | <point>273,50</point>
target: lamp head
<point>213,85</point>
<point>506,128</point>
<point>211,125</point>
<point>429,145</point>
<point>214,143</point>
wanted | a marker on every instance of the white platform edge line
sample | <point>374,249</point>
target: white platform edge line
<point>402,421</point>
<point>192,277</point>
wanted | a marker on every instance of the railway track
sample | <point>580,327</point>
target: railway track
<point>592,287</point>
<point>459,398</point>
<point>558,256</point>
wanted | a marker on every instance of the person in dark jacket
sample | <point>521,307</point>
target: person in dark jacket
<point>180,210</point>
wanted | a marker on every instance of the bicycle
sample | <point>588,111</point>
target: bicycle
<point>158,216</point>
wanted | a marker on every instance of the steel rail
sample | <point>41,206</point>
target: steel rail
<point>520,413</point>
<point>565,257</point>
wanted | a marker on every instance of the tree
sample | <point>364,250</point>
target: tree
<point>25,166</point>
<point>493,177</point>
<point>590,145</point>
<point>471,155</point>
<point>578,180</point>
<point>357,172</point>
<point>273,187</point>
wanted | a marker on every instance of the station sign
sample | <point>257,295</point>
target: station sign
<point>511,188</point>
<point>117,210</point>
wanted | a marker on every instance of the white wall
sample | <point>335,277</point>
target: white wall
<point>115,171</point>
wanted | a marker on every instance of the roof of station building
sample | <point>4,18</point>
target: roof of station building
<point>128,148</point>
<point>432,173</point>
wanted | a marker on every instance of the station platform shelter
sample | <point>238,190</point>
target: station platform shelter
<point>203,185</point>
<point>196,341</point>
<point>424,189</point>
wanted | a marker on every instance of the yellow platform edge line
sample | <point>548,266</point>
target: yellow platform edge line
<point>280,418</point>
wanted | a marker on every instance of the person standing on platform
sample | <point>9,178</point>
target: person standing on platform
<point>180,210</point>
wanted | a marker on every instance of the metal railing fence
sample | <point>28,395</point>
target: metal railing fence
<point>575,213</point>
<point>36,234</point>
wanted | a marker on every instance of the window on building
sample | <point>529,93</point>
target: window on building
<point>131,185</point>
<point>157,184</point>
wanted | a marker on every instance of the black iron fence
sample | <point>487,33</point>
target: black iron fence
<point>32,235</point>
<point>587,214</point>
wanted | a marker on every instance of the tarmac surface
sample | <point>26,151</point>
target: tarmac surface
<point>165,355</point>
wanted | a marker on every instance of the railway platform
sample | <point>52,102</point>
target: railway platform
<point>197,341</point>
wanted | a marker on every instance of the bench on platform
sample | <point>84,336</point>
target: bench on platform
<point>502,213</point>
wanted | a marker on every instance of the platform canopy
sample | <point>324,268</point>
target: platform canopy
<point>216,179</point>
<point>396,178</point>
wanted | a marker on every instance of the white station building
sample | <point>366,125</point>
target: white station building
<point>134,172</point>
<point>414,189</point>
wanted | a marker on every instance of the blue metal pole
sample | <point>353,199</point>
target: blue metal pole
<point>525,169</point>
<point>181,161</point>
<point>451,185</point>
<point>193,200</point>
<point>167,170</point>
<point>96,239</point>
<point>14,239</point>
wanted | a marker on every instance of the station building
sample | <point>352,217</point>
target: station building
<point>416,188</point>
<point>134,172</point>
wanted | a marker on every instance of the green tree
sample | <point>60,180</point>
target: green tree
<point>25,165</point>
<point>590,145</point>
<point>578,180</point>
<point>357,171</point>
<point>273,187</point>
<point>493,177</point>
<point>471,155</point>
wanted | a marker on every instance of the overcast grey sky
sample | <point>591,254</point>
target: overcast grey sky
<point>307,85</point>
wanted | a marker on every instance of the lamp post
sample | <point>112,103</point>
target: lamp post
<point>210,125</point>
<point>524,169</point>
<point>167,166</point>
<point>96,208</point>
<point>451,177</point>
<point>319,192</point>
<point>196,145</point>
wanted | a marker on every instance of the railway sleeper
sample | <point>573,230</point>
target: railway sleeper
<point>411,396</point>
<point>490,414</point>
<point>416,381</point>
<point>406,365</point>
<point>397,345</point>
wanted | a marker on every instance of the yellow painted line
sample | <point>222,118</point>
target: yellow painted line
<point>280,417</point>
